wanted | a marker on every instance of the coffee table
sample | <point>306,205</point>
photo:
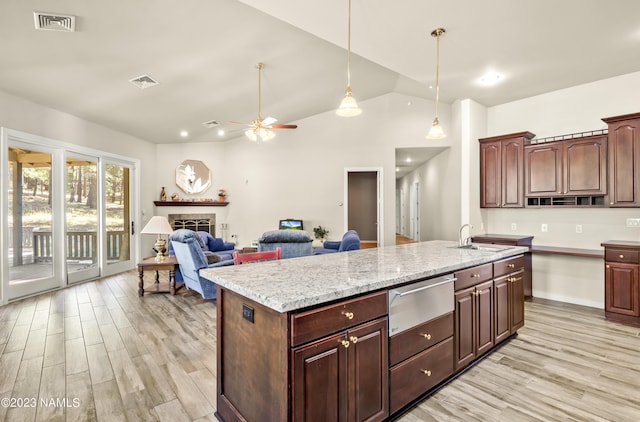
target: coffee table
<point>150,264</point>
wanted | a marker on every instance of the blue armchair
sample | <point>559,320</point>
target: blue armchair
<point>292,243</point>
<point>217,252</point>
<point>190,260</point>
<point>350,242</point>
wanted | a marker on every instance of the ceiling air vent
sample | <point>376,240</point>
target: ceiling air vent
<point>54,22</point>
<point>211,123</point>
<point>144,81</point>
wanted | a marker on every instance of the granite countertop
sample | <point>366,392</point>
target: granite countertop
<point>291,284</point>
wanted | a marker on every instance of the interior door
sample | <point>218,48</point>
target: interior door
<point>82,234</point>
<point>362,209</point>
<point>414,211</point>
<point>31,251</point>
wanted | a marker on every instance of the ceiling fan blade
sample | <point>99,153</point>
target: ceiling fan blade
<point>241,123</point>
<point>284,126</point>
<point>269,120</point>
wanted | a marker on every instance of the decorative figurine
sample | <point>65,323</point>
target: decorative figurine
<point>163,195</point>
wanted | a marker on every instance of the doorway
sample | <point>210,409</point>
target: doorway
<point>414,211</point>
<point>363,205</point>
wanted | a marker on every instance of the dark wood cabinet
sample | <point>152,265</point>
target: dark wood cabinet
<point>419,359</point>
<point>501,170</point>
<point>624,160</point>
<point>509,304</point>
<point>571,167</point>
<point>473,329</point>
<point>622,282</point>
<point>513,240</point>
<point>343,377</point>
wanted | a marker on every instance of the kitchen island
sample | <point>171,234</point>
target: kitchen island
<point>307,338</point>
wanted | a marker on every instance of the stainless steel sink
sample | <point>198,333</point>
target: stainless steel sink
<point>483,247</point>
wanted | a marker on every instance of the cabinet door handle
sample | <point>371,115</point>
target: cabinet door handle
<point>345,343</point>
<point>514,279</point>
<point>608,266</point>
<point>511,265</point>
<point>427,336</point>
<point>621,256</point>
<point>353,339</point>
<point>610,203</point>
<point>426,372</point>
<point>349,315</point>
<point>475,275</point>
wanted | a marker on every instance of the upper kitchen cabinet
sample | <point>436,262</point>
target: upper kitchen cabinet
<point>624,160</point>
<point>571,167</point>
<point>502,171</point>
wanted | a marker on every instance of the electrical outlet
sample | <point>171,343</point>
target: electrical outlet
<point>544,228</point>
<point>633,222</point>
<point>578,228</point>
<point>514,226</point>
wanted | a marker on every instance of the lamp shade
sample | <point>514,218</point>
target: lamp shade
<point>436,131</point>
<point>157,225</point>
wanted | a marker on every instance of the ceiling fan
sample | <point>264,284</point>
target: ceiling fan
<point>261,129</point>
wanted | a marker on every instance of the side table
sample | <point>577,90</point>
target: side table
<point>168,264</point>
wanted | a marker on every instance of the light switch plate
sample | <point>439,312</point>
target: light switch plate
<point>544,228</point>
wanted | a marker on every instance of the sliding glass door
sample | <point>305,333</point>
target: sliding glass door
<point>82,235</point>
<point>66,214</point>
<point>118,222</point>
<point>31,252</point>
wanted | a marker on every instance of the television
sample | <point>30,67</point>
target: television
<point>290,224</point>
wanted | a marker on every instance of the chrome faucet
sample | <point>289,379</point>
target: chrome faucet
<point>467,240</point>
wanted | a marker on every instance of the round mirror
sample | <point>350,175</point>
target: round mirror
<point>193,176</point>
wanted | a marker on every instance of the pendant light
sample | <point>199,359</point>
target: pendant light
<point>436,131</point>
<point>348,106</point>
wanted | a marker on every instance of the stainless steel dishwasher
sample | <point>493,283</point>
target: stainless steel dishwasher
<point>420,302</point>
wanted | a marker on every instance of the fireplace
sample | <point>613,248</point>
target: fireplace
<point>195,222</point>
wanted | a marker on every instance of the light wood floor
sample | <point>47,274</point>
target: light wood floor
<point>127,358</point>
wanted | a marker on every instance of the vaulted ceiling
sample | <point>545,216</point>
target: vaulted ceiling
<point>203,53</point>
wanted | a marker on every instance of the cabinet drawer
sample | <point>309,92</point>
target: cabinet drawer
<point>419,338</point>
<point>508,265</point>
<point>621,255</point>
<point>417,375</point>
<point>316,323</point>
<point>472,276</point>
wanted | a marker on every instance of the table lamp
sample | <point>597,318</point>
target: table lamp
<point>158,225</point>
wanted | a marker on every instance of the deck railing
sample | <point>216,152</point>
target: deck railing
<point>80,245</point>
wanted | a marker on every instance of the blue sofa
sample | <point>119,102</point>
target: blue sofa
<point>350,242</point>
<point>292,243</point>
<point>218,252</point>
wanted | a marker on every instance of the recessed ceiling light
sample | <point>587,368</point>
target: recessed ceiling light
<point>184,133</point>
<point>490,78</point>
<point>408,160</point>
<point>221,132</point>
<point>397,169</point>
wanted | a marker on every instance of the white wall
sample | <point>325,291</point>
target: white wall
<point>22,115</point>
<point>300,173</point>
<point>577,109</point>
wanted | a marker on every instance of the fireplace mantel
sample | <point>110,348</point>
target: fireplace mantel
<point>190,204</point>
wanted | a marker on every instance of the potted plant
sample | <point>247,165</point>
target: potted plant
<point>320,232</point>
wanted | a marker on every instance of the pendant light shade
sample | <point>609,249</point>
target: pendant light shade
<point>436,131</point>
<point>348,106</point>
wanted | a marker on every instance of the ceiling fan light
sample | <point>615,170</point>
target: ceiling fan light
<point>259,135</point>
<point>436,131</point>
<point>348,106</point>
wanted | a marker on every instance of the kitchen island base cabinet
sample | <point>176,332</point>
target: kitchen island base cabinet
<point>509,305</point>
<point>419,374</point>
<point>342,377</point>
<point>473,323</point>
<point>250,358</point>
